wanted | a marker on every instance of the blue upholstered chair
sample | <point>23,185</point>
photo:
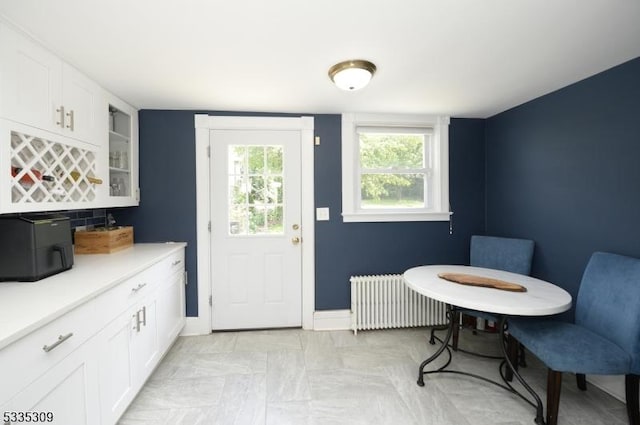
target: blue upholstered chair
<point>605,338</point>
<point>508,254</point>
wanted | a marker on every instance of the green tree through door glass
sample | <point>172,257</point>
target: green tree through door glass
<point>256,190</point>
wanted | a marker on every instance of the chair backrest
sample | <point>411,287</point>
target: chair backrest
<point>508,254</point>
<point>609,301</point>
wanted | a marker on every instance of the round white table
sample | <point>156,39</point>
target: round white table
<point>540,299</point>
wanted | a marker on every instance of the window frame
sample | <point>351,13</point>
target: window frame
<point>351,172</point>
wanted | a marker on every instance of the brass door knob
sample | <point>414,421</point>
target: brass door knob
<point>295,240</point>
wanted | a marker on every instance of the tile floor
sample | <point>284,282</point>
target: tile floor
<point>291,376</point>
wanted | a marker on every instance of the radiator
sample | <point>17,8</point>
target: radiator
<point>385,301</point>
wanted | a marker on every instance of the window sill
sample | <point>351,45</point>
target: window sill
<point>380,217</point>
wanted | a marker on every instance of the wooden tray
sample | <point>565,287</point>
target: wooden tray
<point>485,282</point>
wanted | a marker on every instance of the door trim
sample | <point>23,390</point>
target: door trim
<point>203,124</point>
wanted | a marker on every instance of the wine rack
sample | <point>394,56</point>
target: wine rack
<point>44,171</point>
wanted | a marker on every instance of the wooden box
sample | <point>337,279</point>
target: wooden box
<point>103,240</point>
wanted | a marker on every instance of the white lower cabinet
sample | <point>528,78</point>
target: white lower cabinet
<point>128,354</point>
<point>171,310</point>
<point>144,341</point>
<point>116,368</point>
<point>106,350</point>
<point>67,392</point>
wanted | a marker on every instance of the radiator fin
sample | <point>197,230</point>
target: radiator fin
<point>385,301</point>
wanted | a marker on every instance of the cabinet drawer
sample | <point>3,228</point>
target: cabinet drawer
<point>171,265</point>
<point>118,299</point>
<point>29,357</point>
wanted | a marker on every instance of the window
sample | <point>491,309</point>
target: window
<point>395,168</point>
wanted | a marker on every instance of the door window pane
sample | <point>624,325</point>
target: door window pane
<point>274,159</point>
<point>256,190</point>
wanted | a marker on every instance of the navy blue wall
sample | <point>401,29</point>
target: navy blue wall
<point>167,209</point>
<point>564,170</point>
<point>346,249</point>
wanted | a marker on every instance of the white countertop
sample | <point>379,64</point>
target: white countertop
<point>26,306</point>
<point>541,299</point>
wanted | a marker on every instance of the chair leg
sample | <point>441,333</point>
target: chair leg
<point>456,330</point>
<point>512,352</point>
<point>581,380</point>
<point>522,361</point>
<point>554,384</point>
<point>632,384</point>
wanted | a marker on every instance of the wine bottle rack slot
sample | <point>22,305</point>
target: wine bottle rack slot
<point>44,171</point>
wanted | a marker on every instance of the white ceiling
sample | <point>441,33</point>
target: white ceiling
<point>465,58</point>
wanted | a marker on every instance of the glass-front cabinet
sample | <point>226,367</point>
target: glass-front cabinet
<point>123,154</point>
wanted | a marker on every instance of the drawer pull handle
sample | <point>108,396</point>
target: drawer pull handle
<point>136,316</point>
<point>71,125</point>
<point>139,287</point>
<point>175,263</point>
<point>61,339</point>
<point>60,110</point>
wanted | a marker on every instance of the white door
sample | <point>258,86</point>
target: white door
<point>255,229</point>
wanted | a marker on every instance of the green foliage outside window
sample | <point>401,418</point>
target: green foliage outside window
<point>399,154</point>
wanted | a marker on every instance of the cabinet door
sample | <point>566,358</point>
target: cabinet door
<point>122,154</point>
<point>68,391</point>
<point>115,368</point>
<point>82,99</point>
<point>31,80</point>
<point>171,310</point>
<point>145,343</point>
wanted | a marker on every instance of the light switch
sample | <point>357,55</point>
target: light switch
<point>322,214</point>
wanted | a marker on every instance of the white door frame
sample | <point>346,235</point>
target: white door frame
<point>203,124</point>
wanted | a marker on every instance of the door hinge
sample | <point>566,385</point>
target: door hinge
<point>211,300</point>
<point>316,140</point>
<point>138,194</point>
<point>209,226</point>
<point>208,151</point>
<point>186,278</point>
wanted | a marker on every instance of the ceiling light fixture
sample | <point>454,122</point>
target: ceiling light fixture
<point>352,74</point>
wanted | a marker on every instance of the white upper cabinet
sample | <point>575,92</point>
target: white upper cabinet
<point>40,90</point>
<point>30,85</point>
<point>82,102</point>
<point>123,153</point>
<point>65,143</point>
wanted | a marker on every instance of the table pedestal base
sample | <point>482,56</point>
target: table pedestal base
<point>506,374</point>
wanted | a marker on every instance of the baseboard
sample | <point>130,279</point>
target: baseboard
<point>610,384</point>
<point>332,320</point>
<point>195,326</point>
